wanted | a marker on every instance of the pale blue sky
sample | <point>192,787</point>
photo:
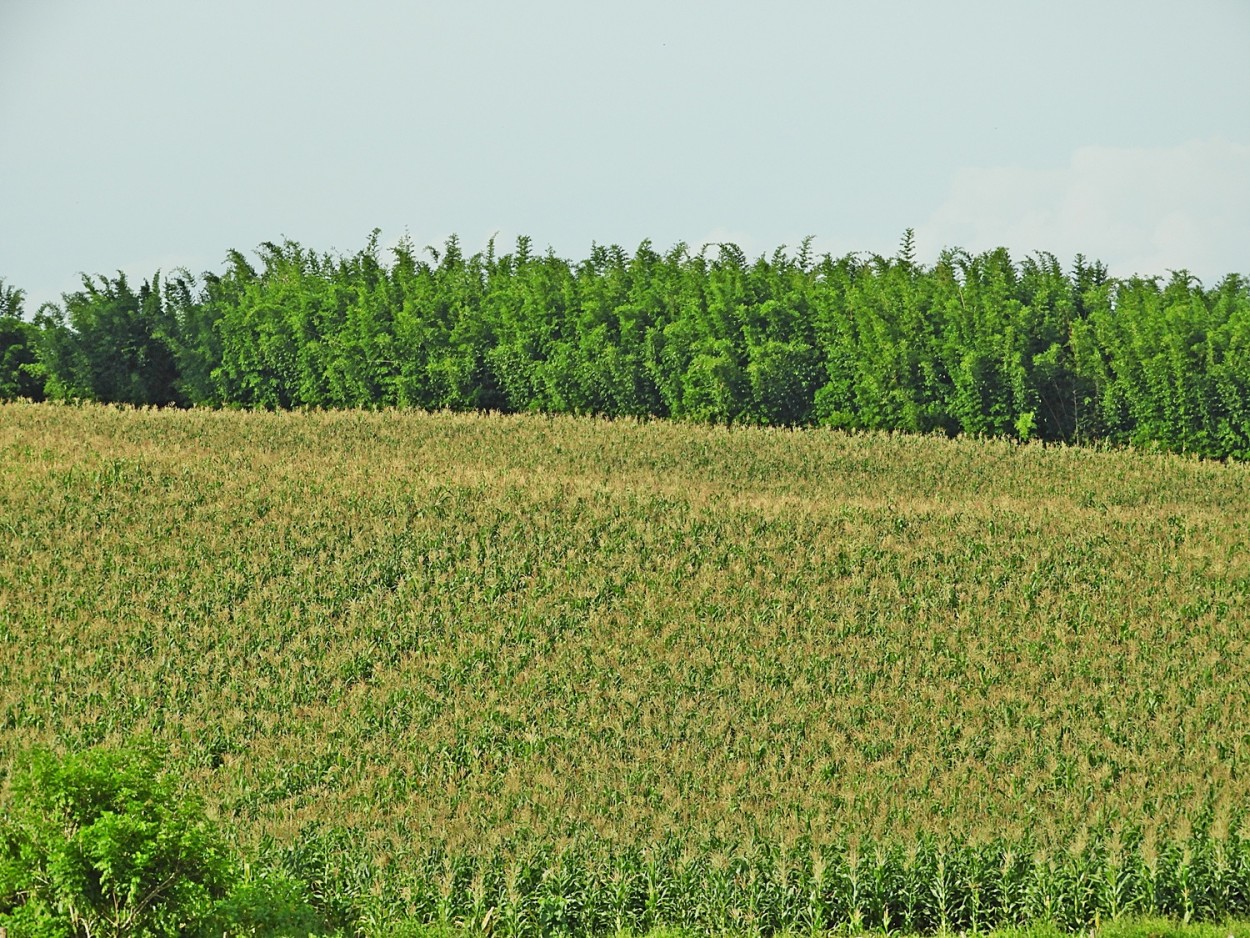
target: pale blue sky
<point>156,133</point>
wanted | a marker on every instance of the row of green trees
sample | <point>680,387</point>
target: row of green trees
<point>976,344</point>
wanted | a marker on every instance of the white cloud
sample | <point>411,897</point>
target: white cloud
<point>1140,210</point>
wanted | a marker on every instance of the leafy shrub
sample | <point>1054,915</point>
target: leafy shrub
<point>102,843</point>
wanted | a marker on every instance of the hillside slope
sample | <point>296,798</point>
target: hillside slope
<point>495,633</point>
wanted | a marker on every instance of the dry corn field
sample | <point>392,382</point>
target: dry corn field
<point>452,658</point>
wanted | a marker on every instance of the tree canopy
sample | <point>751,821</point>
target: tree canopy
<point>976,344</point>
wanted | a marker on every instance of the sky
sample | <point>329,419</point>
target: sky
<point>140,135</point>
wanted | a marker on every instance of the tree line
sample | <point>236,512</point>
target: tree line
<point>976,343</point>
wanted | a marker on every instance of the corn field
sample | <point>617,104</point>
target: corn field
<point>529,675</point>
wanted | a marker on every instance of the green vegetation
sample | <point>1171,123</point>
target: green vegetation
<point>21,375</point>
<point>976,345</point>
<point>526,675</point>
<point>102,844</point>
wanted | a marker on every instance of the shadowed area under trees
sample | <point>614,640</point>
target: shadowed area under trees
<point>974,344</point>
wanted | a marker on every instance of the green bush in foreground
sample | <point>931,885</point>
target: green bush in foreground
<point>101,843</point>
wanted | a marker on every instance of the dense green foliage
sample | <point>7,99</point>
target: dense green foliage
<point>979,345</point>
<point>21,375</point>
<point>102,844</point>
<point>113,344</point>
